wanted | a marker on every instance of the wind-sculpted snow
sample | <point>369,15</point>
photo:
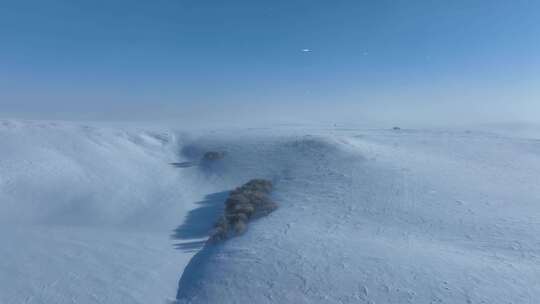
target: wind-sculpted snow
<point>68,174</point>
<point>383,217</point>
<point>86,213</point>
<point>365,216</point>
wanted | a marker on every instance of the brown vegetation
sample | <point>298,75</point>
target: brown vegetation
<point>213,155</point>
<point>244,203</point>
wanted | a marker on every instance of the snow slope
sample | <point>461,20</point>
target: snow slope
<point>380,216</point>
<point>86,213</point>
<point>97,215</point>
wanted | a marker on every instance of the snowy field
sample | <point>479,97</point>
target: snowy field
<point>87,214</point>
<point>98,215</point>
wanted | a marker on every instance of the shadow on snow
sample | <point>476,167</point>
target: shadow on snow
<point>199,222</point>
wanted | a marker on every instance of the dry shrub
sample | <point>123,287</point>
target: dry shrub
<point>251,200</point>
<point>213,155</point>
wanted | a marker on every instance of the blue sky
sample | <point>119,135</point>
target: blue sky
<point>167,59</point>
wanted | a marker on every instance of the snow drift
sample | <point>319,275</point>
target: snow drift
<point>86,213</point>
<point>397,216</point>
<point>366,216</point>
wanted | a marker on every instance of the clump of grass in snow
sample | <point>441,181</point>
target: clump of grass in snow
<point>213,155</point>
<point>251,200</point>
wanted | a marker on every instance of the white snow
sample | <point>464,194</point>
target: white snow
<point>366,216</point>
<point>86,214</point>
<point>382,216</point>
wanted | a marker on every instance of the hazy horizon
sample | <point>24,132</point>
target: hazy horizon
<point>282,61</point>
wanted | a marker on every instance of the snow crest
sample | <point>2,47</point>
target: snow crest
<point>383,217</point>
<point>366,216</point>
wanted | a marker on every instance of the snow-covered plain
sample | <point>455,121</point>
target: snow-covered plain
<point>366,216</point>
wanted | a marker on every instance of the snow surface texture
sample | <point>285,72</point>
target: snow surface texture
<point>366,216</point>
<point>86,214</point>
<point>380,216</point>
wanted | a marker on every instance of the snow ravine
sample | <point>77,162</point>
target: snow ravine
<point>365,216</point>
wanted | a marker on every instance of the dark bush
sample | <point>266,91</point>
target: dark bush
<point>213,155</point>
<point>249,201</point>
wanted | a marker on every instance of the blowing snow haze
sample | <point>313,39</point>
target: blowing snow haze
<point>269,152</point>
<point>390,61</point>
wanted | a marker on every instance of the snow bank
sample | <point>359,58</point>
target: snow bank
<point>366,216</point>
<point>86,213</point>
<point>383,217</point>
<point>64,174</point>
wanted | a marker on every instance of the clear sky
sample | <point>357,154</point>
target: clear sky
<point>284,59</point>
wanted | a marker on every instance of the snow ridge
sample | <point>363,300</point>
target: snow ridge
<point>383,217</point>
<point>366,216</point>
<point>86,213</point>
